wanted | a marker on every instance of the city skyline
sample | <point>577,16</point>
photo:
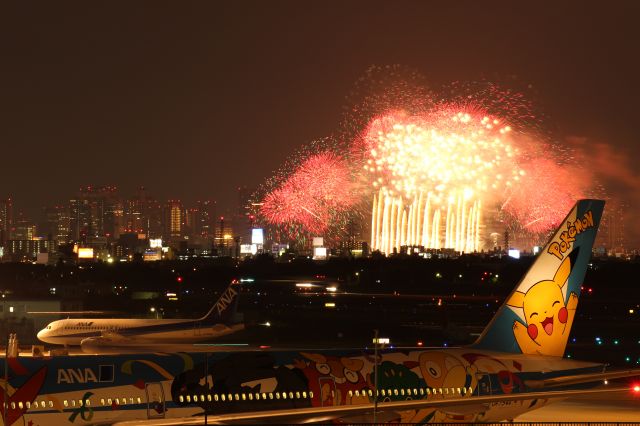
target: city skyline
<point>196,101</point>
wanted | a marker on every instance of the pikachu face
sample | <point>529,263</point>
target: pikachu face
<point>546,314</point>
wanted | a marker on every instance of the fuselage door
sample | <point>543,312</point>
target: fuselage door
<point>327,391</point>
<point>155,400</point>
<point>484,385</point>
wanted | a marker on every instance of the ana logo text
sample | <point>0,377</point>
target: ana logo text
<point>558,249</point>
<point>76,375</point>
<point>225,299</point>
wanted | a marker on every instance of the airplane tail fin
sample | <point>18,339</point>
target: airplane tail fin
<point>536,317</point>
<point>224,310</point>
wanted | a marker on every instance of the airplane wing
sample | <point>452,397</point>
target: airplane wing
<point>581,378</point>
<point>364,411</point>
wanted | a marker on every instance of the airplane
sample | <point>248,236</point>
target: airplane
<point>515,366</point>
<point>95,333</point>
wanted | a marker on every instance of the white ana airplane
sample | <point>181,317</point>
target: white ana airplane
<point>515,366</point>
<point>96,333</point>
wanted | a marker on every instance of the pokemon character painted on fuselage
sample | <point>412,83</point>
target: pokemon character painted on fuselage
<point>548,318</point>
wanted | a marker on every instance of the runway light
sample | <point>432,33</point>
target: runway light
<point>636,389</point>
<point>332,289</point>
<point>329,305</point>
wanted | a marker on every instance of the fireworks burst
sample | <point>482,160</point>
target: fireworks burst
<point>319,193</point>
<point>431,164</point>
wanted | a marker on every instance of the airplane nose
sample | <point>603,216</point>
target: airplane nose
<point>41,334</point>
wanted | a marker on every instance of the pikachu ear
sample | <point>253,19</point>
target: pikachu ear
<point>563,272</point>
<point>516,300</point>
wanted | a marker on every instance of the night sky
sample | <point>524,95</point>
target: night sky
<point>192,99</point>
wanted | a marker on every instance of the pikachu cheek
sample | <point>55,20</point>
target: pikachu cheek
<point>532,330</point>
<point>563,315</point>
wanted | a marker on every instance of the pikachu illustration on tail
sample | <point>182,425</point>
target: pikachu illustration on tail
<point>536,317</point>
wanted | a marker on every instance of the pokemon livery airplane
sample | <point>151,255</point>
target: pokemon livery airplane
<point>516,365</point>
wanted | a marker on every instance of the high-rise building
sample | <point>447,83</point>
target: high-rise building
<point>6,219</point>
<point>95,213</point>
<point>23,228</point>
<point>173,220</point>
<point>206,219</point>
<point>243,218</point>
<point>56,225</point>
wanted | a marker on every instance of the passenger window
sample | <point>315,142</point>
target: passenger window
<point>284,395</point>
<point>264,395</point>
<point>188,398</point>
<point>370,393</point>
<point>181,398</point>
<point>277,395</point>
<point>383,392</point>
<point>139,400</point>
<point>395,392</point>
<point>131,400</point>
<point>421,391</point>
<point>50,404</point>
<point>350,393</point>
<point>13,405</point>
<point>117,400</point>
<point>250,397</point>
<point>311,394</point>
<point>66,403</point>
<point>298,395</point>
<point>35,404</point>
<point>20,406</point>
<point>304,395</point>
<point>401,392</point>
<point>102,401</point>
<point>230,397</point>
<point>237,397</point>
<point>470,389</point>
<point>215,397</point>
<point>270,395</point>
<point>290,395</point>
<point>209,398</point>
<point>244,396</point>
<point>109,401</point>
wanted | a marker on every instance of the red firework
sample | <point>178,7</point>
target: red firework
<point>319,190</point>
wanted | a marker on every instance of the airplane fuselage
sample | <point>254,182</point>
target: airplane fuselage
<point>122,331</point>
<point>108,388</point>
